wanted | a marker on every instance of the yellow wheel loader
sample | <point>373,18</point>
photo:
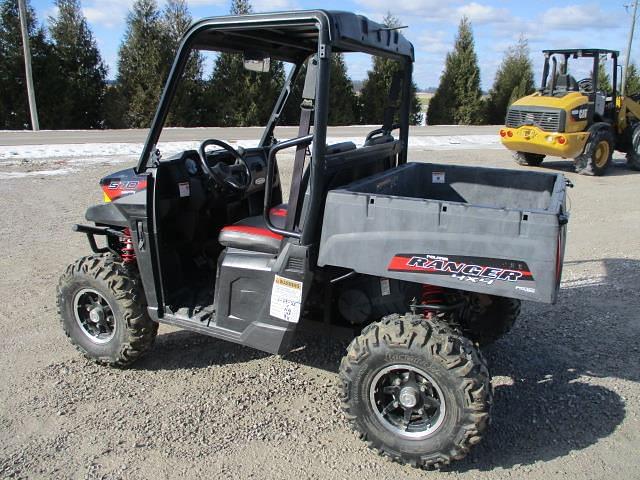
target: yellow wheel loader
<point>571,118</point>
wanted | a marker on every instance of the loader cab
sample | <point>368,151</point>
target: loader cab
<point>572,72</point>
<point>227,251</point>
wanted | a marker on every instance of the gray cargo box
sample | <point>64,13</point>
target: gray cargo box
<point>487,230</point>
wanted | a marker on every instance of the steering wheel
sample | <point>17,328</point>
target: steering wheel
<point>586,85</point>
<point>236,176</point>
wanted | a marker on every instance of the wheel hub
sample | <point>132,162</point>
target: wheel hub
<point>407,401</point>
<point>94,315</point>
<point>602,154</point>
<point>408,397</point>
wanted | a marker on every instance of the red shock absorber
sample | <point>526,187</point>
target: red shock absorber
<point>127,252</point>
<point>432,295</point>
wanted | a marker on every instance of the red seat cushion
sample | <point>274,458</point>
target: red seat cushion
<point>251,233</point>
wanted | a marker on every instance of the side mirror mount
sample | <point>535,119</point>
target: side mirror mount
<point>256,62</point>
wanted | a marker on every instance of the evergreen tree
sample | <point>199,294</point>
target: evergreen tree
<point>342,98</point>
<point>458,99</point>
<point>604,81</point>
<point>514,80</point>
<point>14,106</point>
<point>633,81</point>
<point>80,105</point>
<point>376,87</point>
<point>114,107</point>
<point>185,107</point>
<point>240,7</point>
<point>343,101</point>
<point>236,96</point>
<point>143,63</point>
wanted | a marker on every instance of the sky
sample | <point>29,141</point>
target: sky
<point>432,26</point>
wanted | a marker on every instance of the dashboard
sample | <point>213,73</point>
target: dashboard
<point>186,166</point>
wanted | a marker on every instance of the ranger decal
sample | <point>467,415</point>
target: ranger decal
<point>486,270</point>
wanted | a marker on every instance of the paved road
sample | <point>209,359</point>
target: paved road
<point>48,137</point>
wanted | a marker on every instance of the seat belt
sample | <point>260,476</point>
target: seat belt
<point>306,114</point>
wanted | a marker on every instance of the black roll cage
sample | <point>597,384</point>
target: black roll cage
<point>291,37</point>
<point>594,53</point>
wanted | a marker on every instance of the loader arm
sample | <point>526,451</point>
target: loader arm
<point>627,106</point>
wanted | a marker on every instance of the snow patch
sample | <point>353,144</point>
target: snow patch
<point>12,155</point>
<point>36,173</point>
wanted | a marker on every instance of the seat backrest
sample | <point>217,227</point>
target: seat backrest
<point>345,163</point>
<point>379,140</point>
<point>562,82</point>
<point>339,148</point>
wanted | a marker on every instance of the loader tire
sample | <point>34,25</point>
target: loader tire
<point>633,155</point>
<point>415,390</point>
<point>598,152</point>
<point>488,318</point>
<point>528,159</point>
<point>103,311</point>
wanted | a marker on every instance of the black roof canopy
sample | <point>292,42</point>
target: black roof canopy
<point>293,36</point>
<point>582,52</point>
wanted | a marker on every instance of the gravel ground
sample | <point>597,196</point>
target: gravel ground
<point>567,391</point>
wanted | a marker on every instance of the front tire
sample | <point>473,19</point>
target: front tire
<point>103,311</point>
<point>528,159</point>
<point>415,390</point>
<point>598,152</point>
<point>633,155</point>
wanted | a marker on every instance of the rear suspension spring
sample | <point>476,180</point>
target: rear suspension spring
<point>433,301</point>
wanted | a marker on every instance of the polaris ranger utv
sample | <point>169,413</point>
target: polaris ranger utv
<point>418,263</point>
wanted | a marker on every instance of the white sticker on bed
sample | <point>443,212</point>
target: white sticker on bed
<point>286,298</point>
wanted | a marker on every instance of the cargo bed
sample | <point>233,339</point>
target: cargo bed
<point>487,230</point>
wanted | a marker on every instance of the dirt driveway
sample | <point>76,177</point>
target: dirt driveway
<point>567,379</point>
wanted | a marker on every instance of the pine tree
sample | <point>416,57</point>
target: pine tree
<point>343,101</point>
<point>236,96</point>
<point>458,99</point>
<point>185,106</point>
<point>143,63</point>
<point>633,81</point>
<point>342,98</point>
<point>80,105</point>
<point>114,107</point>
<point>376,87</point>
<point>514,80</point>
<point>604,81</point>
<point>14,106</point>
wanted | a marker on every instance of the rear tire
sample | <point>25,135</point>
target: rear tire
<point>633,155</point>
<point>448,414</point>
<point>528,159</point>
<point>103,311</point>
<point>489,318</point>
<point>597,154</point>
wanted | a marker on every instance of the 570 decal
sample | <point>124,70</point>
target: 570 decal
<point>475,269</point>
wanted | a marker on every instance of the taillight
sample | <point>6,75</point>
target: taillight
<point>562,140</point>
<point>509,133</point>
<point>503,133</point>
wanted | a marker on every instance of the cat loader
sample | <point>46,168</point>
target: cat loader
<point>578,119</point>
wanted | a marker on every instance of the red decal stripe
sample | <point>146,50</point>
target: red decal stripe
<point>278,212</point>
<point>400,263</point>
<point>253,231</point>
